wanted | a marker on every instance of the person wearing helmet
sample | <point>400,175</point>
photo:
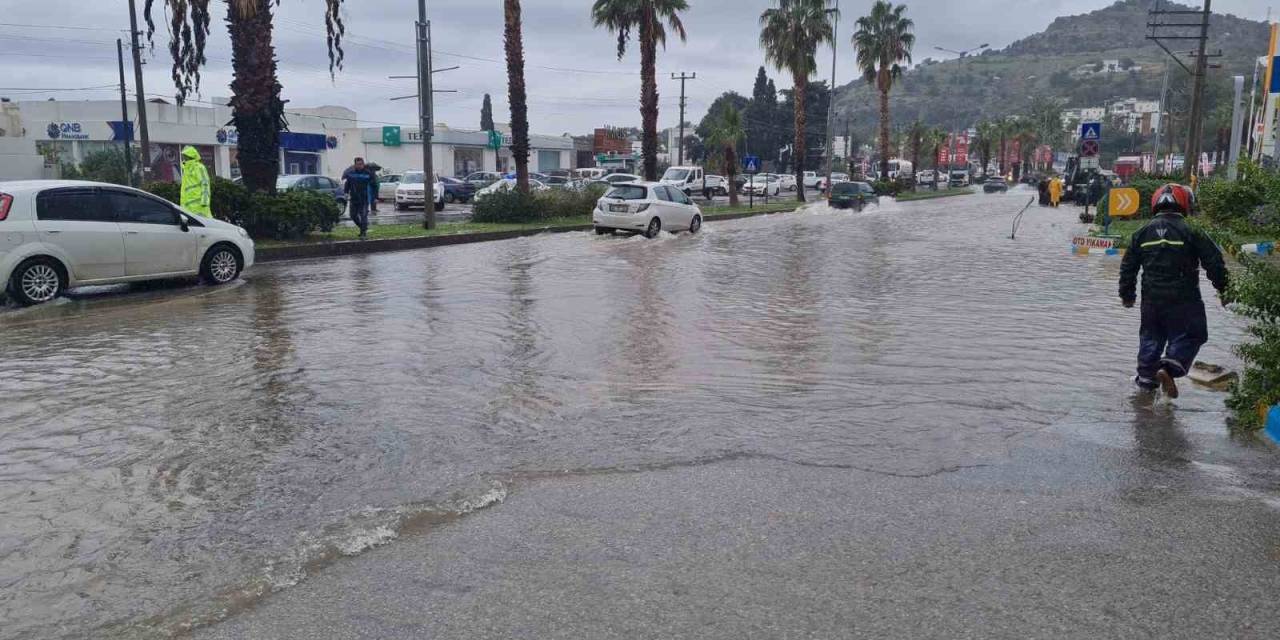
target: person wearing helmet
<point>1170,253</point>
<point>195,194</point>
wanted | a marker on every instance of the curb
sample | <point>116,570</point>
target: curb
<point>1272,430</point>
<point>358,247</point>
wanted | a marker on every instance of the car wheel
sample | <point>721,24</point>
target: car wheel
<point>449,197</point>
<point>439,206</point>
<point>695,224</point>
<point>400,207</point>
<point>603,231</point>
<point>221,265</point>
<point>655,227</point>
<point>37,281</point>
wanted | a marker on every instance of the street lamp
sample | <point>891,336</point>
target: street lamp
<point>966,53</point>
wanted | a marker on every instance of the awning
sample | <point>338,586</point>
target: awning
<point>313,142</point>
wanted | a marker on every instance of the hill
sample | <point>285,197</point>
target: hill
<point>1061,62</point>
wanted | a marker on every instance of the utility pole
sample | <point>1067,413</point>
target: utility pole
<point>124,114</point>
<point>425,116</point>
<point>831,101</point>
<point>141,93</point>
<point>1155,149</point>
<point>682,77</point>
<point>1180,32</point>
<point>1237,128</point>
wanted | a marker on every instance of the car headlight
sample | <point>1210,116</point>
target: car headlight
<point>243,233</point>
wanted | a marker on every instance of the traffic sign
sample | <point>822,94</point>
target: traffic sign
<point>495,140</point>
<point>1089,149</point>
<point>751,164</point>
<point>1091,131</point>
<point>1123,202</point>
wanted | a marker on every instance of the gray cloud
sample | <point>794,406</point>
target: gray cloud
<point>574,79</point>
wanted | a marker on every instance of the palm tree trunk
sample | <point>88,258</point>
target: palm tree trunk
<point>514,41</point>
<point>649,92</point>
<point>1003,156</point>
<point>884,130</point>
<point>731,172</point>
<point>256,109</point>
<point>800,86</point>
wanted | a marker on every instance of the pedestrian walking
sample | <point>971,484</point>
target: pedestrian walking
<point>357,182</point>
<point>1042,188</point>
<point>373,168</point>
<point>1055,191</point>
<point>1170,253</point>
<point>196,193</point>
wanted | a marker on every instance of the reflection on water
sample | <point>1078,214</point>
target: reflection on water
<point>167,454</point>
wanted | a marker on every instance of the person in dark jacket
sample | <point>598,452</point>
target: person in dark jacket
<point>373,168</point>
<point>357,182</point>
<point>1170,253</point>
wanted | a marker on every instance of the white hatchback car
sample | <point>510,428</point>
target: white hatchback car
<point>646,207</point>
<point>59,234</point>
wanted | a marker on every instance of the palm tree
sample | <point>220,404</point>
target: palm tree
<point>722,140</point>
<point>1005,128</point>
<point>257,112</point>
<point>790,34</point>
<point>917,139</point>
<point>883,42</point>
<point>987,134</point>
<point>936,138</point>
<point>646,17</point>
<point>513,40</point>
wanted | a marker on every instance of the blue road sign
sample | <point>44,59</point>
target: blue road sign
<point>751,164</point>
<point>1091,131</point>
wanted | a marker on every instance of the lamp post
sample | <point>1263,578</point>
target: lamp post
<point>834,12</point>
<point>964,53</point>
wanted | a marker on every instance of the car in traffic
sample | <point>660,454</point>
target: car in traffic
<point>647,208</point>
<point>926,177</point>
<point>995,185</point>
<point>849,195</point>
<point>836,177</point>
<point>412,189</point>
<point>316,183</point>
<point>959,178</point>
<point>786,182</point>
<point>690,180</point>
<point>619,178</point>
<point>456,190</point>
<point>762,185</point>
<point>63,234</point>
<point>812,180</point>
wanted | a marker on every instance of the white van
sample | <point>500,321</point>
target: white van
<point>686,179</point>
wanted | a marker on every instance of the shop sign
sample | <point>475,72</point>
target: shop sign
<point>67,131</point>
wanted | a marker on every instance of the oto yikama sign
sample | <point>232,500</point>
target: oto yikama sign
<point>1094,242</point>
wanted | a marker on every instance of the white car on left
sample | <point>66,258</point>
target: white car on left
<point>60,234</point>
<point>410,192</point>
<point>647,208</point>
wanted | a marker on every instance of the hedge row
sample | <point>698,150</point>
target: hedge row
<point>512,206</point>
<point>289,215</point>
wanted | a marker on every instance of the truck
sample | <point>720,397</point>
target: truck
<point>693,180</point>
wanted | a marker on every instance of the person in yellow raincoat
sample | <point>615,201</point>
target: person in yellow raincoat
<point>195,183</point>
<point>1055,191</point>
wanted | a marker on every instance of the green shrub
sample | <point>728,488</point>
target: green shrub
<point>1256,290</point>
<point>104,165</point>
<point>288,215</point>
<point>887,187</point>
<point>511,206</point>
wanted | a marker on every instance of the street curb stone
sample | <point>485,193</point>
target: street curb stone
<point>357,247</point>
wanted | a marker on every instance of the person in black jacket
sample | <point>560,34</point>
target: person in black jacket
<point>358,183</point>
<point>1170,254</point>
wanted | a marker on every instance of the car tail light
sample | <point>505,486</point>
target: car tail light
<point>6,201</point>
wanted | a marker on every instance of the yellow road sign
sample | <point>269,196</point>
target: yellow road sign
<point>1124,202</point>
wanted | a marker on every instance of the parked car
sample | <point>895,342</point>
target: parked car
<point>319,184</point>
<point>64,234</point>
<point>387,184</point>
<point>559,173</point>
<point>618,178</point>
<point>482,179</point>
<point>411,191</point>
<point>761,185</point>
<point>456,190</point>
<point>836,177</point>
<point>509,183</point>
<point>686,179</point>
<point>646,207</point>
<point>926,177</point>
<point>715,186</point>
<point>811,179</point>
<point>995,184</point>
<point>960,178</point>
<point>847,195</point>
<point>588,174</point>
<point>787,182</point>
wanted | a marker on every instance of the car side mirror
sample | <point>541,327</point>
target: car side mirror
<point>182,222</point>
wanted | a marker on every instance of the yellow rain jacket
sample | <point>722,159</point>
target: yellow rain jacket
<point>1055,191</point>
<point>195,183</point>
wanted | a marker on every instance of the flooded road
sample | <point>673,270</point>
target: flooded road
<point>169,456</point>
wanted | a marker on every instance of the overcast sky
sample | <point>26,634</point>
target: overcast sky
<point>574,79</point>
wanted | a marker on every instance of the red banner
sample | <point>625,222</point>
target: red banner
<point>944,153</point>
<point>962,150</point>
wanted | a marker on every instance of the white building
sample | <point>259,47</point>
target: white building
<point>37,137</point>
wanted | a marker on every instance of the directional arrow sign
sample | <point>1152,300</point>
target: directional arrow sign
<point>1123,202</point>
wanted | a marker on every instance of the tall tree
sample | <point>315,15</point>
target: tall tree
<point>790,34</point>
<point>513,40</point>
<point>917,140</point>
<point>724,135</point>
<point>486,114</point>
<point>936,139</point>
<point>646,17</point>
<point>883,42</point>
<point>760,118</point>
<point>257,112</point>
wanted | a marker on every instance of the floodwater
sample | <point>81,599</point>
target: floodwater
<point>169,455</point>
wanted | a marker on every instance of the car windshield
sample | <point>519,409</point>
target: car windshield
<point>844,188</point>
<point>675,175</point>
<point>412,177</point>
<point>627,192</point>
<point>287,182</point>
